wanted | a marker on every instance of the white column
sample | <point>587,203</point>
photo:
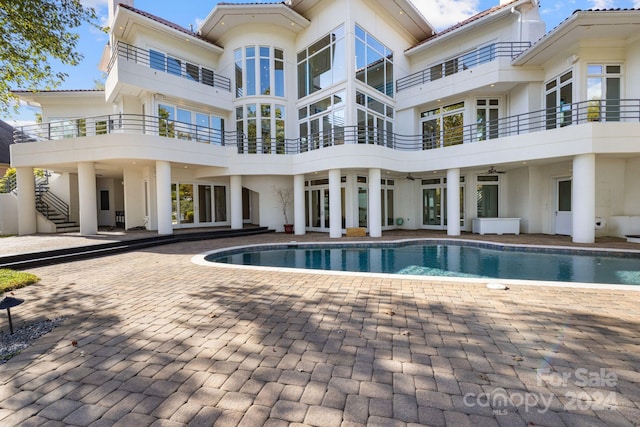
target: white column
<point>235,184</point>
<point>87,199</point>
<point>27,216</point>
<point>453,202</point>
<point>299,222</point>
<point>163,197</point>
<point>583,198</point>
<point>375,204</point>
<point>335,204</point>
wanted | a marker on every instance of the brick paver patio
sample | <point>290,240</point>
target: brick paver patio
<point>150,338</point>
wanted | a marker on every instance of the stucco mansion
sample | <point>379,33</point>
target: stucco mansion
<point>356,111</point>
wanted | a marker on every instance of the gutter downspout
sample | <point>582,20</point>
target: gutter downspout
<point>517,12</point>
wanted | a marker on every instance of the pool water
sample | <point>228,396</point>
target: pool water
<point>455,260</point>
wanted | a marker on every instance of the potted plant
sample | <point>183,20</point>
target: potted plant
<point>285,198</point>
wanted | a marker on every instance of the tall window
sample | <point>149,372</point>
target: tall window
<point>443,126</point>
<point>558,99</point>
<point>322,64</point>
<point>259,70</point>
<point>374,62</point>
<point>603,91</point>
<point>375,121</point>
<point>487,118</point>
<point>321,123</point>
<point>487,196</point>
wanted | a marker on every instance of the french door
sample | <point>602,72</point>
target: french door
<point>198,204</point>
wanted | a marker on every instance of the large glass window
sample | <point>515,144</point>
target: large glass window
<point>321,123</point>
<point>375,121</point>
<point>175,122</point>
<point>558,101</point>
<point>261,128</point>
<point>259,70</point>
<point>374,62</point>
<point>443,126</point>
<point>180,67</point>
<point>322,64</point>
<point>604,91</point>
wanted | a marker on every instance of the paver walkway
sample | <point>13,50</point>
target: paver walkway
<point>152,339</point>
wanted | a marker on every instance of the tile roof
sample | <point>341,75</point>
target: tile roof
<point>167,23</point>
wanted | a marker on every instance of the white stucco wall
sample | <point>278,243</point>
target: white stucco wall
<point>8,214</point>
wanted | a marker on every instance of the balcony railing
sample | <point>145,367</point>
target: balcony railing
<point>627,110</point>
<point>169,64</point>
<point>478,56</point>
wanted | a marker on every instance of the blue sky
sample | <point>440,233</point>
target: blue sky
<point>441,14</point>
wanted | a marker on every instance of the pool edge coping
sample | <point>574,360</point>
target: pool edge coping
<point>199,259</point>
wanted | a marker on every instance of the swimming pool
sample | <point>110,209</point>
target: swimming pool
<point>465,259</point>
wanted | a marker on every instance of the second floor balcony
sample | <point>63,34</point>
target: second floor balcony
<point>441,136</point>
<point>169,64</point>
<point>473,58</point>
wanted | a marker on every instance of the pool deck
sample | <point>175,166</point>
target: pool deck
<point>149,338</point>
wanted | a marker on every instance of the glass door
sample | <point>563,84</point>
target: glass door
<point>204,204</point>
<point>198,205</point>
<point>318,209</point>
<point>432,207</point>
<point>564,216</point>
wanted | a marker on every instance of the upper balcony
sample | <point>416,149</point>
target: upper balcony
<point>443,134</point>
<point>471,59</point>
<point>132,68</point>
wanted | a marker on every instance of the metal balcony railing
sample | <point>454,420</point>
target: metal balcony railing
<point>8,184</point>
<point>169,64</point>
<point>626,110</point>
<point>473,58</point>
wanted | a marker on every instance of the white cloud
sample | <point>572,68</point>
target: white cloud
<point>445,13</point>
<point>96,4</point>
<point>200,21</point>
<point>602,4</point>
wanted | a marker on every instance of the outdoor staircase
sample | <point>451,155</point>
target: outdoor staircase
<point>53,207</point>
<point>48,204</point>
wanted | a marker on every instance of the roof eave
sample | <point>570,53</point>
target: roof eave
<point>578,18</point>
<point>213,26</point>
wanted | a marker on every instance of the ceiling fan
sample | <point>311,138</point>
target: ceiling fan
<point>492,171</point>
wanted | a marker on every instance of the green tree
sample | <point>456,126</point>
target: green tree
<point>32,33</point>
